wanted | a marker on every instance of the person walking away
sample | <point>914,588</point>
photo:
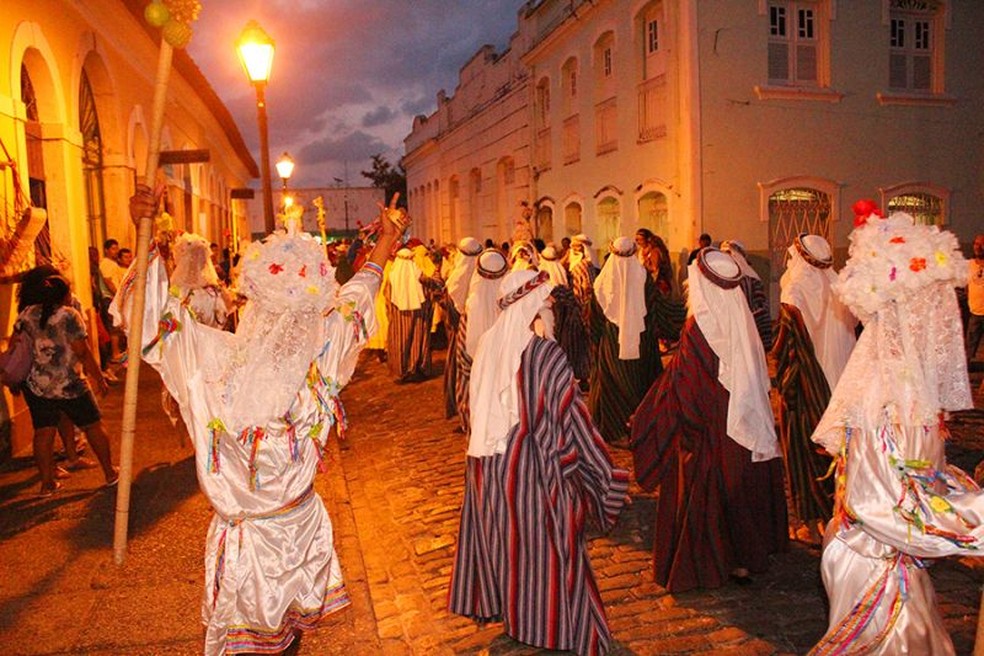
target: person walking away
<point>458,281</point>
<point>409,339</point>
<point>627,352</point>
<point>754,290</point>
<point>57,385</point>
<point>811,349</point>
<point>536,470</point>
<point>705,436</point>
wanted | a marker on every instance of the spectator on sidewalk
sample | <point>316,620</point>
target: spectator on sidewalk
<point>56,385</point>
<point>536,470</point>
<point>259,405</point>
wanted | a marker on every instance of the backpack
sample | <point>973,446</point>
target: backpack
<point>17,360</point>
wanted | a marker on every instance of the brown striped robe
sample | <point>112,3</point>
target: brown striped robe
<point>804,395</point>
<point>717,510</point>
<point>452,325</point>
<point>617,386</point>
<point>521,555</point>
<point>408,342</point>
<point>758,303</point>
<point>463,365</point>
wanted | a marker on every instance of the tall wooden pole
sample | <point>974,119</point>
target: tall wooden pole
<point>135,320</point>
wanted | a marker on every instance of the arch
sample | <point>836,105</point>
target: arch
<point>928,203</point>
<point>608,211</point>
<point>104,90</point>
<point>505,182</point>
<point>30,48</point>
<point>138,141</point>
<point>573,215</point>
<point>569,84</point>
<point>604,65</point>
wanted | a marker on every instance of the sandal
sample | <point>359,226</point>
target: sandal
<point>81,463</point>
<point>61,472</point>
<point>49,491</point>
<point>113,482</point>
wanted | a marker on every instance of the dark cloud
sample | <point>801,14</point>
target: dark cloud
<point>379,116</point>
<point>353,147</point>
<point>347,62</point>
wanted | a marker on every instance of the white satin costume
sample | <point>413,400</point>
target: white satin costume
<point>259,405</point>
<point>898,502</point>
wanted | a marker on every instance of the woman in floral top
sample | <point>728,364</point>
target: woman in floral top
<point>56,383</point>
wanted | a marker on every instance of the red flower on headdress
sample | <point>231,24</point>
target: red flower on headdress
<point>863,209</point>
<point>917,264</point>
<point>275,268</point>
<point>897,240</point>
<point>303,272</point>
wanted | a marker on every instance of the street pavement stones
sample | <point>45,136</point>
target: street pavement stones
<point>393,490</point>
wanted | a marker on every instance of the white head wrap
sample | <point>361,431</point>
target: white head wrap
<point>727,325</point>
<point>482,306</point>
<point>523,256</point>
<point>406,293</point>
<point>493,389</point>
<point>808,287</point>
<point>461,273</point>
<point>909,363</point>
<point>550,263</point>
<point>620,290</point>
<point>193,268</point>
<point>736,249</point>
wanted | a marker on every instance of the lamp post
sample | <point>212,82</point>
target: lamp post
<point>255,48</point>
<point>285,168</point>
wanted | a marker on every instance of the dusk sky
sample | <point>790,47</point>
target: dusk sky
<point>348,75</point>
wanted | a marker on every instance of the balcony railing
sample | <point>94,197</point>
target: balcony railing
<point>572,139</point>
<point>652,108</point>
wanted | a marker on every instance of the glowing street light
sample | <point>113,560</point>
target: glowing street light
<point>255,48</point>
<point>285,168</point>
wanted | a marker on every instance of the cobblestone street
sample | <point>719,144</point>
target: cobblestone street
<point>393,489</point>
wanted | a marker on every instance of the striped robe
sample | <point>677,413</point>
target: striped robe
<point>804,395</point>
<point>571,332</point>
<point>521,555</point>
<point>617,386</point>
<point>758,303</point>
<point>717,511</point>
<point>582,277</point>
<point>463,365</point>
<point>452,325</point>
<point>408,344</point>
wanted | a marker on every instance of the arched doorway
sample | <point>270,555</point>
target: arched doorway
<point>37,186</point>
<point>572,219</point>
<point>92,163</point>
<point>654,214</point>
<point>609,215</point>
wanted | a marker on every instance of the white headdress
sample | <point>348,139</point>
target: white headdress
<point>736,249</point>
<point>290,286</point>
<point>574,258</point>
<point>523,256</point>
<point>461,273</point>
<point>620,290</point>
<point>719,307</point>
<point>406,293</point>
<point>493,389</point>
<point>482,306</point>
<point>909,363</point>
<point>550,263</point>
<point>807,285</point>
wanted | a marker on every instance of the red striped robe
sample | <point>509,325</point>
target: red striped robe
<point>717,510</point>
<point>521,555</point>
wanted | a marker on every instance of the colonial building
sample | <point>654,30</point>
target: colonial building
<point>746,119</point>
<point>76,92</point>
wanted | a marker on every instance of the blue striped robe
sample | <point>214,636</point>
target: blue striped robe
<point>521,554</point>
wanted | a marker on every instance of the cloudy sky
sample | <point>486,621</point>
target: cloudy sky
<point>348,75</point>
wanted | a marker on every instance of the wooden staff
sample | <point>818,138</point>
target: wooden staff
<point>135,320</point>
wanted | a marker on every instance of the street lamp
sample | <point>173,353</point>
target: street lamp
<point>255,48</point>
<point>285,167</point>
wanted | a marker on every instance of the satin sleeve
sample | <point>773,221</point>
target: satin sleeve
<point>349,326</point>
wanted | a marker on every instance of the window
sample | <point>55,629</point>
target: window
<point>913,46</point>
<point>569,82</point>
<point>794,43</point>
<point>543,103</point>
<point>650,34</point>
<point>925,202</point>
<point>607,62</point>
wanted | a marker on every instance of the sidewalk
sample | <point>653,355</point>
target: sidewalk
<point>393,491</point>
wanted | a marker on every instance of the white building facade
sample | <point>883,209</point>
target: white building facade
<point>747,119</point>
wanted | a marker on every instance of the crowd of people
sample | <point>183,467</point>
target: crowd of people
<point>553,359</point>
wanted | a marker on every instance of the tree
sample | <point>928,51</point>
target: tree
<point>391,179</point>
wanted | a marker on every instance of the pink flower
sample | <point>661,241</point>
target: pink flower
<point>891,274</point>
